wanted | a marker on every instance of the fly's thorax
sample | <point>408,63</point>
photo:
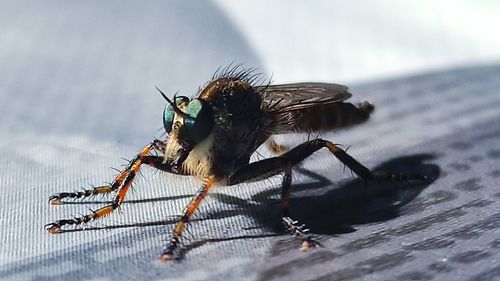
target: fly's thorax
<point>237,121</point>
<point>235,104</point>
<point>215,132</point>
<point>225,87</point>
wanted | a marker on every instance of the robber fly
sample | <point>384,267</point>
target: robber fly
<point>213,135</point>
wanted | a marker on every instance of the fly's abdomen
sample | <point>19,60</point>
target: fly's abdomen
<point>331,116</point>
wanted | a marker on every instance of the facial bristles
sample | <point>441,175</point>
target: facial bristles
<point>177,110</point>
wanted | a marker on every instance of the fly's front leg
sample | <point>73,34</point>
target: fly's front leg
<point>117,182</point>
<point>168,253</point>
<point>123,182</point>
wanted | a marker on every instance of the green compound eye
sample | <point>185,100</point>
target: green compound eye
<point>195,107</point>
<point>201,122</point>
<point>168,113</point>
<point>168,117</point>
<point>198,122</point>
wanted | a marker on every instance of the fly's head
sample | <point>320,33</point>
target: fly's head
<point>189,124</point>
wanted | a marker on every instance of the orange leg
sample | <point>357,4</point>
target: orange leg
<point>193,205</point>
<point>122,182</point>
<point>108,188</point>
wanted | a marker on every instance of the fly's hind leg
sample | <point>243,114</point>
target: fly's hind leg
<point>121,185</point>
<point>283,164</point>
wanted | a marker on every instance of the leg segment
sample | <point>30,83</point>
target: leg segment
<point>168,253</point>
<point>285,190</point>
<point>291,225</point>
<point>123,181</point>
<point>102,189</point>
<point>272,166</point>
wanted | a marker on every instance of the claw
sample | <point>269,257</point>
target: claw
<point>53,228</point>
<point>165,257</point>
<point>308,243</point>
<point>54,200</point>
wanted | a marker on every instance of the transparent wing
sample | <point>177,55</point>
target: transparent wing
<point>291,97</point>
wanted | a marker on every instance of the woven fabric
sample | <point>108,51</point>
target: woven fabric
<point>77,94</point>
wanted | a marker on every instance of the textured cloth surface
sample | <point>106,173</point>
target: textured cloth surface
<point>69,112</point>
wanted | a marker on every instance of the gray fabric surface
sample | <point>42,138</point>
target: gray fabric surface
<point>69,111</point>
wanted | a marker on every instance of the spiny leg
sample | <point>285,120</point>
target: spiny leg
<point>168,253</point>
<point>117,182</point>
<point>55,199</point>
<point>364,172</point>
<point>275,165</point>
<point>290,224</point>
<point>128,176</point>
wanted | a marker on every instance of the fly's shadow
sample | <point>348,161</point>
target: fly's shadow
<point>333,208</point>
<point>324,206</point>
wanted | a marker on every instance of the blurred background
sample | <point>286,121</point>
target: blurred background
<point>365,40</point>
<point>77,93</point>
<point>101,60</point>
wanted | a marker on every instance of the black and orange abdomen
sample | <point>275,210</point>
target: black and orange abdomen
<point>330,116</point>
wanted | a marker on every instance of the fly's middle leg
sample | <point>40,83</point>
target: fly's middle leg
<point>168,253</point>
